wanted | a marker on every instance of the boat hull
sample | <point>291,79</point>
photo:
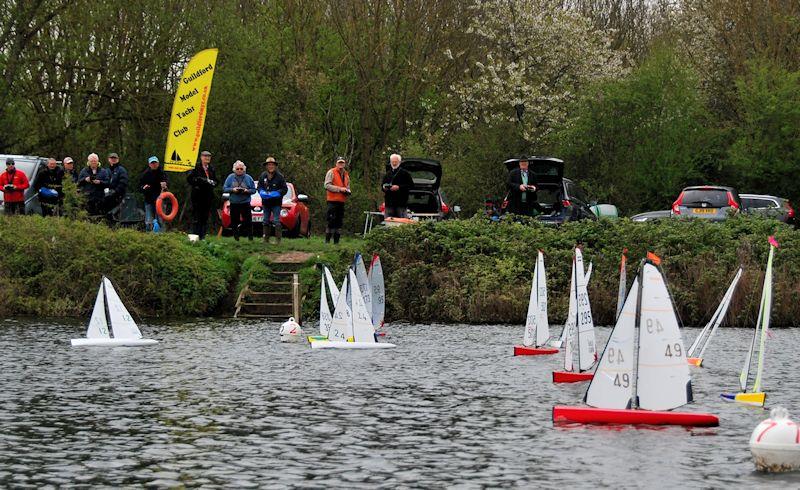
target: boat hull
<point>695,361</point>
<point>521,350</point>
<point>315,338</point>
<point>754,399</point>
<point>351,345</point>
<point>112,342</point>
<point>590,415</point>
<point>571,377</point>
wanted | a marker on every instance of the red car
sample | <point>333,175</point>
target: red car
<point>294,213</point>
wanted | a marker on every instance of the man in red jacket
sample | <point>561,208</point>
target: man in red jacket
<point>13,183</point>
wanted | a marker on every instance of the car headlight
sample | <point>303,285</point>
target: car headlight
<point>284,213</point>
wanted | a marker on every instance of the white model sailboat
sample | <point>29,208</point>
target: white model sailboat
<point>351,327</point>
<point>537,329</point>
<point>362,281</point>
<point>378,290</point>
<point>558,343</point>
<point>642,373</point>
<point>755,396</point>
<point>325,315</point>
<point>698,347</point>
<point>580,337</point>
<point>110,316</point>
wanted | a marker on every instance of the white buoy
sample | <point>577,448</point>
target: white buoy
<point>291,331</point>
<point>775,443</point>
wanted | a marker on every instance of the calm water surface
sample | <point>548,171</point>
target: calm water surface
<point>223,403</point>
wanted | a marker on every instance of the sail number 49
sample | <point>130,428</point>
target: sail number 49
<point>623,380</point>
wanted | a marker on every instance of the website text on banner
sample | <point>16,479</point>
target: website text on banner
<point>189,112</point>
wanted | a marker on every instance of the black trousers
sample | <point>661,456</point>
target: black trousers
<point>201,207</point>
<point>14,208</point>
<point>241,219</point>
<point>335,215</point>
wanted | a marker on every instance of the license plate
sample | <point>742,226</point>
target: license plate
<point>258,219</point>
<point>704,211</point>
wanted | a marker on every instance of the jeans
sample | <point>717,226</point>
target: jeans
<point>394,212</point>
<point>275,212</point>
<point>150,214</point>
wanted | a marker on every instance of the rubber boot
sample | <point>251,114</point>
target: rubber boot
<point>267,233</point>
<point>236,233</point>
<point>327,237</point>
<point>335,238</point>
<point>278,233</point>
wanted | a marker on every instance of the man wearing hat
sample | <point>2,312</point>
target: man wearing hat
<point>69,170</point>
<point>272,187</point>
<point>521,189</point>
<point>337,187</point>
<point>202,180</point>
<point>152,183</point>
<point>48,183</point>
<point>13,183</point>
<point>117,186</point>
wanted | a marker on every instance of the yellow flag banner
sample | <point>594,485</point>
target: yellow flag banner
<point>189,112</point>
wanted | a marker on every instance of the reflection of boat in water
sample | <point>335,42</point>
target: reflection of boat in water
<point>755,396</point>
<point>537,329</point>
<point>110,316</point>
<point>642,374</point>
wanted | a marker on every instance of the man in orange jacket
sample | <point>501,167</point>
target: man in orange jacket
<point>337,187</point>
<point>13,183</point>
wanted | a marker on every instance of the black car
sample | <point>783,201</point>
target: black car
<point>425,199</point>
<point>710,202</point>
<point>560,199</point>
<point>30,166</point>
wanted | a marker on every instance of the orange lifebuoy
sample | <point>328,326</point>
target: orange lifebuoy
<point>160,206</point>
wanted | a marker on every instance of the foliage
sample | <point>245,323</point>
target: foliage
<point>474,272</point>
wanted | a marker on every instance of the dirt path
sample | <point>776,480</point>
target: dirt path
<point>290,257</point>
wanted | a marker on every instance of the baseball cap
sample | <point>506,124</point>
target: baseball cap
<point>205,153</point>
<point>113,155</point>
<point>68,160</point>
<point>9,161</point>
<point>341,159</point>
<point>153,159</point>
<point>271,160</point>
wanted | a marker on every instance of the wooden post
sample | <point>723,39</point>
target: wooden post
<point>296,297</point>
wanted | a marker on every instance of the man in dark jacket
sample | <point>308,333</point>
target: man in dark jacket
<point>396,184</point>
<point>272,187</point>
<point>48,184</point>
<point>69,170</point>
<point>93,181</point>
<point>521,190</point>
<point>152,183</point>
<point>117,186</point>
<point>202,180</point>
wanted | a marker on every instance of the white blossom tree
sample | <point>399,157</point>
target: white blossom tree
<point>535,58</point>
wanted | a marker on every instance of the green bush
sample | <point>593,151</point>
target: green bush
<point>472,271</point>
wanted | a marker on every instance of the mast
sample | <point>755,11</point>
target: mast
<point>638,328</point>
<point>577,308</point>
<point>105,307</point>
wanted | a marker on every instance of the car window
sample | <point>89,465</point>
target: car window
<point>754,203</point>
<point>717,198</point>
<point>289,194</point>
<point>26,166</point>
<point>575,192</point>
<point>423,177</point>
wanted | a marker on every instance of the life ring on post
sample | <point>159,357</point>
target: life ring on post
<point>160,206</point>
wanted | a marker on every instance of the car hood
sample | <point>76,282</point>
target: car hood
<point>427,174</point>
<point>548,170</point>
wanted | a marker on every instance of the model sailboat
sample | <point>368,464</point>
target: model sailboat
<point>698,347</point>
<point>643,373</point>
<point>325,315</point>
<point>580,338</point>
<point>537,329</point>
<point>755,396</point>
<point>378,290</point>
<point>110,316</point>
<point>558,343</point>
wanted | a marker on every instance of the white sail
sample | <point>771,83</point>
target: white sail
<point>587,351</point>
<point>122,323</point>
<point>569,335</point>
<point>98,326</point>
<point>341,325</point>
<point>325,317</point>
<point>612,384</point>
<point>623,279</point>
<point>542,324</point>
<point>589,273</point>
<point>363,331</point>
<point>378,288</point>
<point>570,310</point>
<point>331,285</point>
<point>662,381</point>
<point>532,317</point>
<point>701,342</point>
<point>766,309</point>
<point>362,281</point>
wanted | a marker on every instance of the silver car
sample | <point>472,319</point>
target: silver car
<point>770,206</point>
<point>710,202</point>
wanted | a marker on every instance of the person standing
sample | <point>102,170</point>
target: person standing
<point>69,170</point>
<point>93,181</point>
<point>13,182</point>
<point>521,189</point>
<point>49,185</point>
<point>117,185</point>
<point>272,187</point>
<point>241,187</point>
<point>337,187</point>
<point>202,180</point>
<point>396,184</point>
<point>152,183</point>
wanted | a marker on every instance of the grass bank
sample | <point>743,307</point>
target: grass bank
<point>474,272</point>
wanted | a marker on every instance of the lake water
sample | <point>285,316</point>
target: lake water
<point>223,403</point>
